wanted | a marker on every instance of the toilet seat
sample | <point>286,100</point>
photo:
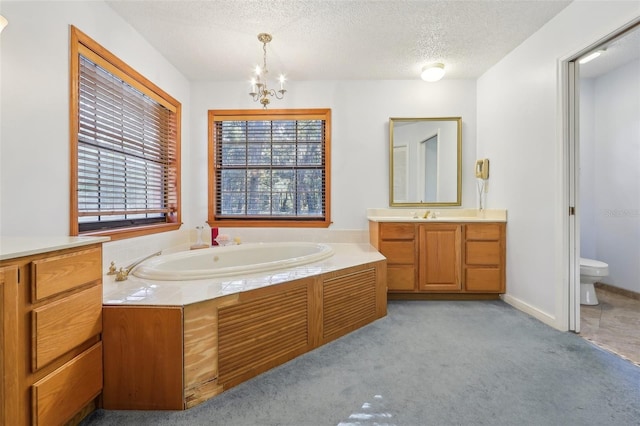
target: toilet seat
<point>593,268</point>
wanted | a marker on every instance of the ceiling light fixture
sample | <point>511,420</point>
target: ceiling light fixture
<point>259,90</point>
<point>432,72</point>
<point>3,23</point>
<point>591,56</point>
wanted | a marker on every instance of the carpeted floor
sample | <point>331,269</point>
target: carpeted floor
<point>430,363</point>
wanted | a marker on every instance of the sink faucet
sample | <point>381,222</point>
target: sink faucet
<point>123,273</point>
<point>426,214</point>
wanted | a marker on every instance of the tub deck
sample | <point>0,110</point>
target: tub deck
<point>172,345</point>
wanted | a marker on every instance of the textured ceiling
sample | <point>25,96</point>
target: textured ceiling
<point>335,40</point>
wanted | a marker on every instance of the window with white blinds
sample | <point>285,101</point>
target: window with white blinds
<point>126,153</point>
<point>270,166</point>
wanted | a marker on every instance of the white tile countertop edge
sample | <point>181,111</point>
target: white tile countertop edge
<point>144,292</point>
<point>14,247</point>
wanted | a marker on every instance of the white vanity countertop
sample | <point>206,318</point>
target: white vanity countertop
<point>139,291</point>
<point>443,215</point>
<point>14,247</point>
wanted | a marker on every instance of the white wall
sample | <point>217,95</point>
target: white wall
<point>34,150</point>
<point>34,126</point>
<point>587,198</point>
<point>520,130</point>
<point>611,177</point>
<point>360,134</point>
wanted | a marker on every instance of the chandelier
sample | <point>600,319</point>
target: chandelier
<point>259,90</point>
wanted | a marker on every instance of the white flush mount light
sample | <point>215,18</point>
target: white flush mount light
<point>432,72</point>
<point>3,23</point>
<point>591,56</point>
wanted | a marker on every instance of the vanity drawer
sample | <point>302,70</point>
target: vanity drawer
<point>484,280</point>
<point>57,274</point>
<point>481,231</point>
<point>398,251</point>
<point>64,324</point>
<point>397,231</point>
<point>61,394</point>
<point>482,253</point>
<point>401,278</point>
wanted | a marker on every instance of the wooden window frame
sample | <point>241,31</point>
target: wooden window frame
<point>282,114</point>
<point>81,44</point>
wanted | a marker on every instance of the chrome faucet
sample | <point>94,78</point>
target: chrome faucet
<point>123,273</point>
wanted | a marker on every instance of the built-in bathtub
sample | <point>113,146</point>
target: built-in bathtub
<point>173,343</point>
<point>232,260</point>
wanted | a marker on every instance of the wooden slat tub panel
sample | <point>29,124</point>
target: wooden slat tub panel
<point>340,314</point>
<point>256,335</point>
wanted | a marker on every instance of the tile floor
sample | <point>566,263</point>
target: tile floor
<point>614,324</point>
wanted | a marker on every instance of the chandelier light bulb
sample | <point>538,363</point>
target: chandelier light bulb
<point>432,72</point>
<point>258,70</point>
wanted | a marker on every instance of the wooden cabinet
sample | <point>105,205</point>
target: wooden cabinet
<point>50,331</point>
<point>439,260</point>
<point>464,260</point>
<point>484,265</point>
<point>398,243</point>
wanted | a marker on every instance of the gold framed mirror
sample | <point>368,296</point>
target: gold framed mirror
<point>425,161</point>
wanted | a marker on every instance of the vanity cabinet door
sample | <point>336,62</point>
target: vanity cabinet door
<point>10,413</point>
<point>440,257</point>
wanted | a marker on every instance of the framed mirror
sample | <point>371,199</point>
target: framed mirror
<point>425,156</point>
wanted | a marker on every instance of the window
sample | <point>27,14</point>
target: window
<point>125,147</point>
<point>269,168</point>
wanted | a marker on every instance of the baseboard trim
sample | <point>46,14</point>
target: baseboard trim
<point>618,290</point>
<point>528,309</point>
<point>442,296</point>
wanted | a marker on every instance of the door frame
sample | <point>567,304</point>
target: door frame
<point>570,101</point>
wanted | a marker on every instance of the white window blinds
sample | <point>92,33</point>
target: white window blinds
<point>126,153</point>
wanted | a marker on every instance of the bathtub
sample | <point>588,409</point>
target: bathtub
<point>231,260</point>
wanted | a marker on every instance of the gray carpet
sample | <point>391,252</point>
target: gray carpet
<point>430,363</point>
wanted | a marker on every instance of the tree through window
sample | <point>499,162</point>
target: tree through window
<point>269,168</point>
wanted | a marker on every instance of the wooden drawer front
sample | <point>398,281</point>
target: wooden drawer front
<point>484,280</point>
<point>397,231</point>
<point>483,253</point>
<point>401,278</point>
<point>57,274</point>
<point>64,324</point>
<point>477,231</point>
<point>61,394</point>
<point>398,252</point>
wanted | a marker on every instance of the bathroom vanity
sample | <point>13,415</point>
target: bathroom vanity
<point>458,255</point>
<point>50,329</point>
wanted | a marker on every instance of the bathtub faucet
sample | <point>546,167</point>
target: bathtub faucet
<point>123,273</point>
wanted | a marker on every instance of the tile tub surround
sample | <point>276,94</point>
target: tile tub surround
<point>138,291</point>
<point>444,215</point>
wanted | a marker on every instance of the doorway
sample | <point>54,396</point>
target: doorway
<point>616,51</point>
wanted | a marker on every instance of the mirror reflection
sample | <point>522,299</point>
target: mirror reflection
<point>425,161</point>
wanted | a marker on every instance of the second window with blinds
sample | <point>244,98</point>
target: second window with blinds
<point>269,168</point>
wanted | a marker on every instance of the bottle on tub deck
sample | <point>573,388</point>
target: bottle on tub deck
<point>199,244</point>
<point>214,236</point>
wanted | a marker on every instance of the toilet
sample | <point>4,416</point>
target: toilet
<point>591,271</point>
